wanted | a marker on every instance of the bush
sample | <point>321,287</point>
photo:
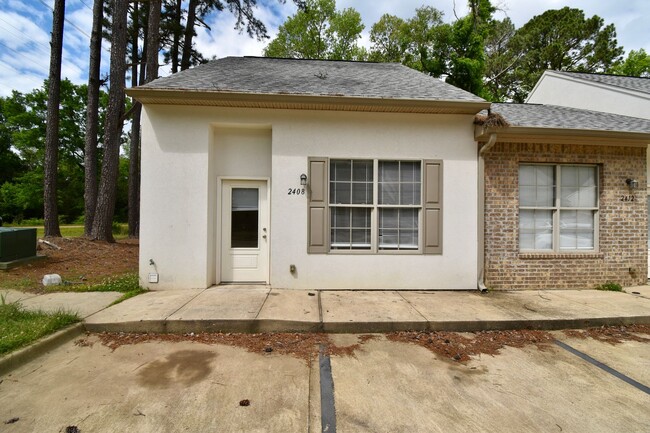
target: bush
<point>610,286</point>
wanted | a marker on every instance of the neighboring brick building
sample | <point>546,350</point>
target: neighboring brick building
<point>559,210</point>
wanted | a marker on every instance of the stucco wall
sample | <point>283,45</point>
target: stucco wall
<point>180,168</point>
<point>622,254</point>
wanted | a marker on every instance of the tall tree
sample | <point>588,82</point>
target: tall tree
<point>562,40</point>
<point>51,214</point>
<point>319,31</point>
<point>389,39</point>
<point>134,145</point>
<point>107,192</point>
<point>500,61</point>
<point>92,118</point>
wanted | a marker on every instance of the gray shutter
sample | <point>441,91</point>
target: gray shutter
<point>432,207</point>
<point>317,226</point>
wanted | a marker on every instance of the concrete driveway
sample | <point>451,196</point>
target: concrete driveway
<point>385,386</point>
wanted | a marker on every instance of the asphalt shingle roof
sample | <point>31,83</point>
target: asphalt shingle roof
<point>554,116</point>
<point>637,84</point>
<point>259,75</point>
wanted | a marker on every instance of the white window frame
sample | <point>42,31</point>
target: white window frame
<point>374,207</point>
<point>557,208</point>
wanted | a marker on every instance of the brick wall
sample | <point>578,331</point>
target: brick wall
<point>622,224</point>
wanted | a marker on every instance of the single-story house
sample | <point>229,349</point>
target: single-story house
<point>349,175</point>
<point>616,94</point>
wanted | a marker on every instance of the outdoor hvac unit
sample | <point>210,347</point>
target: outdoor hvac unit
<point>17,244</point>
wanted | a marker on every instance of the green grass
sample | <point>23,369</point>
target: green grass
<point>120,231</point>
<point>128,284</point>
<point>19,327</point>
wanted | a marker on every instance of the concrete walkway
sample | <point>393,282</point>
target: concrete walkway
<point>82,303</point>
<point>261,309</point>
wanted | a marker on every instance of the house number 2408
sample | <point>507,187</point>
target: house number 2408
<point>296,191</point>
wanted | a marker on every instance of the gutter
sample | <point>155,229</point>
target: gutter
<point>481,212</point>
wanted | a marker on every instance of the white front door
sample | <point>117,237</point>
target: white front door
<point>244,231</point>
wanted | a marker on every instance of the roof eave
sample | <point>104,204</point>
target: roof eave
<point>302,102</point>
<point>519,134</point>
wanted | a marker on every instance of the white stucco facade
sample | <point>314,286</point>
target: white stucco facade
<point>188,152</point>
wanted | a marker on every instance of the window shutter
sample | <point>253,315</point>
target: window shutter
<point>432,207</point>
<point>318,240</point>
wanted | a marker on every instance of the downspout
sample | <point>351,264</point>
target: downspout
<point>481,212</point>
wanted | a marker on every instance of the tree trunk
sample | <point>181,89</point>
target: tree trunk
<point>189,34</point>
<point>92,119</point>
<point>113,128</point>
<point>153,40</point>
<point>50,211</point>
<point>177,36</point>
<point>134,150</point>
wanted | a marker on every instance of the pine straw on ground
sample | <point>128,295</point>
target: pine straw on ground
<point>78,261</point>
<point>612,334</point>
<point>454,346</point>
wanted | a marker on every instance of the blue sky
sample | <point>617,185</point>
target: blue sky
<point>25,27</point>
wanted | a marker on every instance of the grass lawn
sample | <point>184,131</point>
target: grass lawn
<point>120,231</point>
<point>19,327</point>
<point>127,284</point>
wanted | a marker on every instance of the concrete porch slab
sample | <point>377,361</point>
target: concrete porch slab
<point>289,311</point>
<point>344,311</point>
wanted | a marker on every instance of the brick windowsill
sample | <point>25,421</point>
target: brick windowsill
<point>560,256</point>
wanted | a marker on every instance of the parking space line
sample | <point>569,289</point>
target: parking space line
<point>604,367</point>
<point>327,409</point>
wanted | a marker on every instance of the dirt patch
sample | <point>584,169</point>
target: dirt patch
<point>461,347</point>
<point>304,346</point>
<point>612,334</point>
<point>78,261</point>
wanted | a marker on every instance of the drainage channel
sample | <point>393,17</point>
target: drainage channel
<point>604,367</point>
<point>327,409</point>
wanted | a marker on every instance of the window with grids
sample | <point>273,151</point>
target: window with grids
<point>558,207</point>
<point>375,205</point>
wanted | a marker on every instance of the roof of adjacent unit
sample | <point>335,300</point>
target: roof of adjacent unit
<point>554,120</point>
<point>637,84</point>
<point>260,75</point>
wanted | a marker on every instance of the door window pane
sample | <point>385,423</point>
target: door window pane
<point>244,218</point>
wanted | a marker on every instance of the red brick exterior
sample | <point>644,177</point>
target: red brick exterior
<point>623,247</point>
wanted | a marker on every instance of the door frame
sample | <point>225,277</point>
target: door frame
<point>219,226</point>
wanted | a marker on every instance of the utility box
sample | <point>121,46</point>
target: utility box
<point>17,243</point>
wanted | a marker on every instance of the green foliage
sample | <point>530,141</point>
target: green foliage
<point>22,134</point>
<point>562,40</point>
<point>319,31</point>
<point>610,286</point>
<point>637,64</point>
<point>19,327</point>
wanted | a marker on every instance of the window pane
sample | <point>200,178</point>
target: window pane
<point>398,228</point>
<point>578,186</point>
<point>244,219</point>
<point>576,230</point>
<point>536,185</point>
<point>535,229</point>
<point>350,228</point>
<point>351,182</point>
<point>400,182</point>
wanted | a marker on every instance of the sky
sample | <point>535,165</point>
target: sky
<point>25,27</point>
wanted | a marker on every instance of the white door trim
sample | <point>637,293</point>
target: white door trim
<point>262,253</point>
